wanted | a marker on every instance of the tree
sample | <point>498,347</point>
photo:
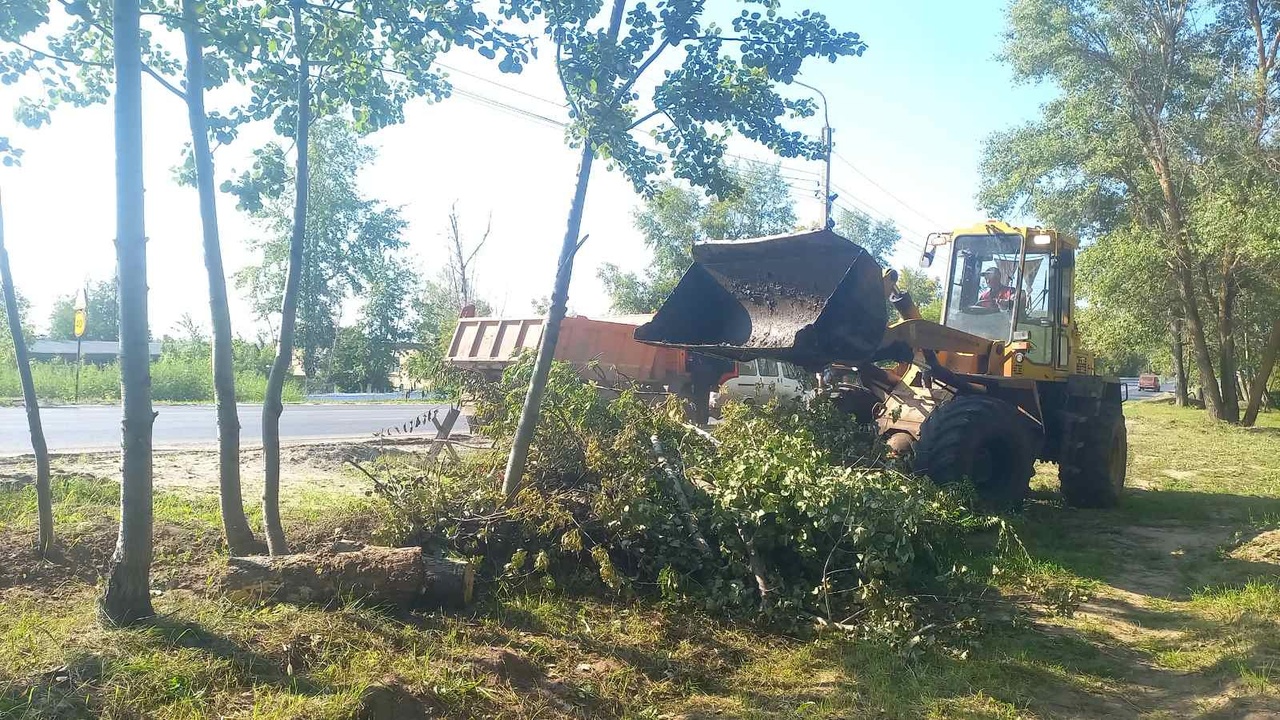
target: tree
<point>1163,124</point>
<point>443,299</point>
<point>329,60</point>
<point>44,493</point>
<point>102,306</point>
<point>676,216</point>
<point>127,598</point>
<point>460,270</point>
<point>925,290</point>
<point>8,352</point>
<point>240,539</point>
<point>722,82</point>
<point>366,355</point>
<point>878,237</point>
<point>343,249</point>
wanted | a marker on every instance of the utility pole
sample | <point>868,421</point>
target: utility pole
<point>828,143</point>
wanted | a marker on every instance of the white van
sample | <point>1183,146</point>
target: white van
<point>759,381</point>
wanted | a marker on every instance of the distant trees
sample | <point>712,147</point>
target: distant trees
<point>1161,147</point>
<point>675,216</point>
<point>878,237</point>
<point>102,306</point>
<point>347,246</point>
<point>366,354</point>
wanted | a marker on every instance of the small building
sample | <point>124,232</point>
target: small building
<point>98,352</point>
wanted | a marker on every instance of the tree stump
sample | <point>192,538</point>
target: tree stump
<point>400,577</point>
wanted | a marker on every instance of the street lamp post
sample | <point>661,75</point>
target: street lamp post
<point>828,200</point>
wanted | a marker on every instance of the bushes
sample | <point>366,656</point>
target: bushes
<point>769,517</point>
<point>174,378</point>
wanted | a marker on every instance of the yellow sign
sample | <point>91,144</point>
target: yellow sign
<point>81,319</point>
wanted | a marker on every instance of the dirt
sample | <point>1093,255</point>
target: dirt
<point>81,556</point>
<point>1265,548</point>
<point>313,466</point>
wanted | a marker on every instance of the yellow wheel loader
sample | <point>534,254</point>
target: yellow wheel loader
<point>1000,382</point>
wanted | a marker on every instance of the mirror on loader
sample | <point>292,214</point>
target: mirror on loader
<point>931,243</point>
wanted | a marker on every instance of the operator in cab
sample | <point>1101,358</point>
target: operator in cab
<point>997,295</point>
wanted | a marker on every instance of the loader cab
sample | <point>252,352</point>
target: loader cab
<point>1014,285</point>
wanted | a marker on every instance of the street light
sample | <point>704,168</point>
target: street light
<point>828,142</point>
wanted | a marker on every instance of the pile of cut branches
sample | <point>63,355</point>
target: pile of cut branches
<point>787,511</point>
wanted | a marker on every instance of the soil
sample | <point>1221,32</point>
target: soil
<point>312,466</point>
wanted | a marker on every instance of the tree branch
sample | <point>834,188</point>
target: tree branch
<point>59,58</point>
<point>645,118</point>
<point>163,82</point>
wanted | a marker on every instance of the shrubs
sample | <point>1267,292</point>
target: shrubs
<point>174,378</point>
<point>769,516</point>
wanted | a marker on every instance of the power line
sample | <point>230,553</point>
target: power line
<point>504,86</point>
<point>861,206</point>
<point>884,190</point>
<point>510,109</point>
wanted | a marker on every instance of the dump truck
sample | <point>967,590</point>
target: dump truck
<point>1001,381</point>
<point>602,350</point>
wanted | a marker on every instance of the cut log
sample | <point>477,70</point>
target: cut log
<point>400,577</point>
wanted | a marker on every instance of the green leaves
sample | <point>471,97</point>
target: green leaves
<point>675,217</point>
<point>722,86</point>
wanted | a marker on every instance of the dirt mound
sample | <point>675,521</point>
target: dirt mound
<point>1264,548</point>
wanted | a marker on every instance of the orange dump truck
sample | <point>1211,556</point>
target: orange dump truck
<point>602,349</point>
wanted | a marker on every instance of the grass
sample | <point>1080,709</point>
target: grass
<point>173,379</point>
<point>1163,607</point>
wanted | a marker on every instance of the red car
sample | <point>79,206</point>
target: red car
<point>1149,382</point>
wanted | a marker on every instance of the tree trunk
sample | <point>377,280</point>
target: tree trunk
<point>1258,388</point>
<point>1185,280</point>
<point>1227,348</point>
<point>44,495</point>
<point>1179,362</point>
<point>273,405</point>
<point>546,350</point>
<point>240,539</point>
<point>400,577</point>
<point>127,598</point>
<point>559,303</point>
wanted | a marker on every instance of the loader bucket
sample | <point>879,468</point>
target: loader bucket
<point>809,299</point>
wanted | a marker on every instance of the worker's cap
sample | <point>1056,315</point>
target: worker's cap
<point>991,271</point>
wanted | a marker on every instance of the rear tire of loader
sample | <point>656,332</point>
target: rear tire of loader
<point>1092,469</point>
<point>982,440</point>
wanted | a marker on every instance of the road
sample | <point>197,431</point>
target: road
<point>97,427</point>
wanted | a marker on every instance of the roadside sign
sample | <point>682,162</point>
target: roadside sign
<point>82,314</point>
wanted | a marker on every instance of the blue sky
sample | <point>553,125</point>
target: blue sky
<point>910,115</point>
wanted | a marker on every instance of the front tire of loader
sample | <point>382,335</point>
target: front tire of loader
<point>1092,469</point>
<point>982,440</point>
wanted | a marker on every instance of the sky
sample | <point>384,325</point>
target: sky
<point>910,117</point>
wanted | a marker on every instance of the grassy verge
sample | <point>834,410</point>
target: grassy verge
<point>173,379</point>
<point>1168,606</point>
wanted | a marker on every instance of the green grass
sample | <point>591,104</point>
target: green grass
<point>1147,610</point>
<point>173,379</point>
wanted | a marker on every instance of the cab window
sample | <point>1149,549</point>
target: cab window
<point>768,368</point>
<point>987,288</point>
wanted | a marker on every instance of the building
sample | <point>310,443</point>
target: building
<point>98,352</point>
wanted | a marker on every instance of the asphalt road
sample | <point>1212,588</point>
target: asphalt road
<point>97,427</point>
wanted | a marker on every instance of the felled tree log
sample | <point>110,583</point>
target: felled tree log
<point>401,577</point>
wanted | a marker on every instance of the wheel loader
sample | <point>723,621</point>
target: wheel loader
<point>1000,382</point>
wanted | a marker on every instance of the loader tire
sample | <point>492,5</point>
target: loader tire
<point>981,440</point>
<point>1092,469</point>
